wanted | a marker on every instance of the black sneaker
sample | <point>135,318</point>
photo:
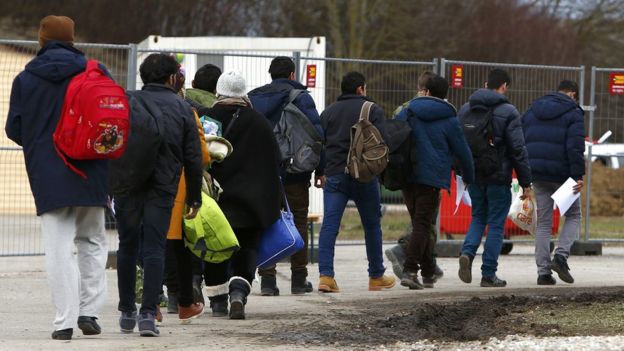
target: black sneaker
<point>396,255</point>
<point>172,303</point>
<point>410,280</point>
<point>492,282</point>
<point>63,334</point>
<point>219,305</point>
<point>559,264</point>
<point>127,321</point>
<point>147,325</point>
<point>546,279</point>
<point>299,283</point>
<point>89,326</point>
<point>429,281</point>
<point>465,269</point>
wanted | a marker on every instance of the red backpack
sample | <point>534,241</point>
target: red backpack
<point>94,121</point>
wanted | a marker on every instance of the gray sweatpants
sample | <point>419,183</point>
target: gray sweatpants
<point>77,281</point>
<point>569,233</point>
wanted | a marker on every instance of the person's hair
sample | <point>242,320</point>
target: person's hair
<point>351,81</point>
<point>497,78</point>
<point>157,68</point>
<point>424,77</point>
<point>437,86</point>
<point>281,67</point>
<point>568,86</point>
<point>206,78</point>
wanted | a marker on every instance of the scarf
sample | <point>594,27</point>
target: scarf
<point>238,101</point>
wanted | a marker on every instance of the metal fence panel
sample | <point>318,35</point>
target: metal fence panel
<point>529,82</point>
<point>604,207</point>
<point>19,225</point>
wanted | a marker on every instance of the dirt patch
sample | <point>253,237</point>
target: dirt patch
<point>607,191</point>
<point>564,312</point>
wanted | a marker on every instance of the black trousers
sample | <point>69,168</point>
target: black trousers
<point>179,276</point>
<point>422,203</point>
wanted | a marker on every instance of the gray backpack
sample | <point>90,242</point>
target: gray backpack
<point>368,153</point>
<point>299,142</point>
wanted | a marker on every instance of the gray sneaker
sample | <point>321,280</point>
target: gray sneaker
<point>147,325</point>
<point>127,321</point>
<point>396,255</point>
<point>410,280</point>
<point>492,282</point>
<point>465,269</point>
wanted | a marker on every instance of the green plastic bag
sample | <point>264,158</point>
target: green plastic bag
<point>209,235</point>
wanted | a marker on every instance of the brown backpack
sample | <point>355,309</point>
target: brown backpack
<point>368,153</point>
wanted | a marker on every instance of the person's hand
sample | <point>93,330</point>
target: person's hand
<point>319,182</point>
<point>191,212</point>
<point>579,185</point>
<point>526,192</point>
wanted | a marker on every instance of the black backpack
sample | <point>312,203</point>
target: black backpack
<point>400,155</point>
<point>478,129</point>
<point>132,171</point>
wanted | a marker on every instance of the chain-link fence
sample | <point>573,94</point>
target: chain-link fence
<point>604,208</point>
<point>19,225</point>
<point>389,83</point>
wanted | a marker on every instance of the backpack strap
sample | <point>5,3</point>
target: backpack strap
<point>234,118</point>
<point>365,111</point>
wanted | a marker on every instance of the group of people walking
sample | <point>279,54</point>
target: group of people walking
<point>544,147</point>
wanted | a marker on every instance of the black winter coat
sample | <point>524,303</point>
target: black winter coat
<point>337,120</point>
<point>508,138</point>
<point>35,109</point>
<point>183,144</point>
<point>249,176</point>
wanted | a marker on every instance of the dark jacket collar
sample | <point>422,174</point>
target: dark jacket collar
<point>353,97</point>
<point>157,87</point>
<point>294,84</point>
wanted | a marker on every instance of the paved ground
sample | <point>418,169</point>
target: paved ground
<point>26,313</point>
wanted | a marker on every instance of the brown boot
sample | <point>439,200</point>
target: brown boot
<point>328,284</point>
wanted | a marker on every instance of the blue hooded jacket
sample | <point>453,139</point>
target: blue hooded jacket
<point>554,133</point>
<point>35,108</point>
<point>270,99</point>
<point>437,139</point>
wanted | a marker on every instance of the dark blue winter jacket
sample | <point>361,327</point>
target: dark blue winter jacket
<point>554,133</point>
<point>437,139</point>
<point>35,108</point>
<point>270,100</point>
<point>508,138</point>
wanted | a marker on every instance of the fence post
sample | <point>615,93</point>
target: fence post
<point>443,67</point>
<point>297,59</point>
<point>582,85</point>
<point>132,67</point>
<point>592,102</point>
<point>436,68</point>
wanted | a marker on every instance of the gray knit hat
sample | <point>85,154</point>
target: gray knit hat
<point>231,84</point>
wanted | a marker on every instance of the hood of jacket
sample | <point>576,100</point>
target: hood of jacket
<point>553,105</point>
<point>270,99</point>
<point>487,97</point>
<point>428,108</point>
<point>57,61</point>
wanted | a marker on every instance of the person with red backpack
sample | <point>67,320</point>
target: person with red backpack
<point>71,206</point>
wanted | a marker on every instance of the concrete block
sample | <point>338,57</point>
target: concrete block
<point>586,248</point>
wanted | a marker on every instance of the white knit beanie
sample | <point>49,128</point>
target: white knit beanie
<point>231,84</point>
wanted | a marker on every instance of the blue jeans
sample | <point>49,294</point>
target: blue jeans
<point>142,223</point>
<point>490,206</point>
<point>337,191</point>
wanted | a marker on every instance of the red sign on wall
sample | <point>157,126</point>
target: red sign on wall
<point>311,76</point>
<point>457,76</point>
<point>616,84</point>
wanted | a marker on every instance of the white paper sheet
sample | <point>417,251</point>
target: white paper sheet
<point>461,193</point>
<point>564,197</point>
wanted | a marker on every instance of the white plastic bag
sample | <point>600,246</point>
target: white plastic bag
<point>524,212</point>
